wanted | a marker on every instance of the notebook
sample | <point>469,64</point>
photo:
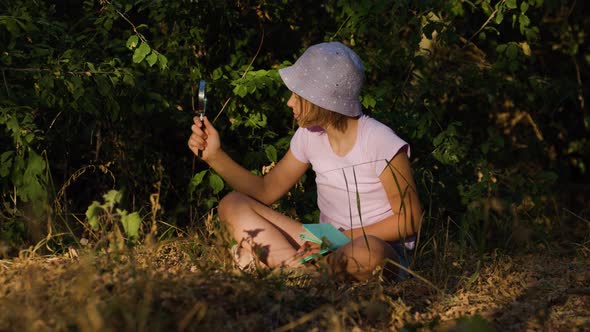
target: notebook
<point>326,235</point>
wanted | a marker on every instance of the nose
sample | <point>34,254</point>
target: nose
<point>291,101</point>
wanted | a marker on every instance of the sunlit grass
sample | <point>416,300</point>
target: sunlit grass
<point>189,283</point>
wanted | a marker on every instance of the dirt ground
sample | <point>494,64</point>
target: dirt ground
<point>184,288</point>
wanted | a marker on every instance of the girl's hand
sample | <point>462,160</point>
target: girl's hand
<point>204,139</point>
<point>308,248</point>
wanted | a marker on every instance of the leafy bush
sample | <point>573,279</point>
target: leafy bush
<point>489,93</point>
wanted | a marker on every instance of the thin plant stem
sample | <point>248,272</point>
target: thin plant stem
<point>349,205</point>
<point>243,75</point>
<point>5,83</point>
<point>485,24</point>
<point>358,206</point>
<point>421,278</point>
<point>576,215</point>
<point>340,28</point>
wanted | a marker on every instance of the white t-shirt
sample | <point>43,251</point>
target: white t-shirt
<point>350,183</point>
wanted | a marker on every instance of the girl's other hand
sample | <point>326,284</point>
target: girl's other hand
<point>204,138</point>
<point>308,248</point>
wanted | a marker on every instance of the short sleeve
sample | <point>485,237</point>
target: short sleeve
<point>298,145</point>
<point>386,145</point>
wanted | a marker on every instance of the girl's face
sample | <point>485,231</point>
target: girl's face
<point>301,111</point>
<point>309,115</point>
<point>295,104</point>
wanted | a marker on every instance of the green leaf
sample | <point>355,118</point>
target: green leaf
<point>121,213</point>
<point>103,85</point>
<point>162,61</point>
<point>511,4</point>
<point>132,42</point>
<point>10,23</point>
<point>196,180</point>
<point>499,17</point>
<point>91,67</point>
<point>75,86</point>
<point>112,197</point>
<point>512,51</point>
<point>29,137</point>
<point>216,183</point>
<point>240,90</point>
<point>217,74</point>
<point>524,22</point>
<point>369,101</point>
<point>46,82</point>
<point>131,223</point>
<point>93,213</point>
<point>128,79</point>
<point>271,153</point>
<point>448,150</point>
<point>152,59</point>
<point>6,163</point>
<point>35,165</point>
<point>141,52</point>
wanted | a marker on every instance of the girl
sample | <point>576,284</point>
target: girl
<point>364,181</point>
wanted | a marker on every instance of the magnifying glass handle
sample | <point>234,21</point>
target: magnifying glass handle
<point>202,108</point>
<point>201,118</point>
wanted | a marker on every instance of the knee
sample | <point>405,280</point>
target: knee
<point>362,256</point>
<point>378,251</point>
<point>369,242</point>
<point>229,204</point>
<point>367,245</point>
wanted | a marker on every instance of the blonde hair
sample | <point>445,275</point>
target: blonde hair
<point>312,114</point>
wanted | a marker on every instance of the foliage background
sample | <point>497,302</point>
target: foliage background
<point>97,95</point>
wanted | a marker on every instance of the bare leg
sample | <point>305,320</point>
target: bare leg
<point>273,237</point>
<point>358,260</point>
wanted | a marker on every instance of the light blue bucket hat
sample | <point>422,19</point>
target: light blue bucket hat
<point>329,75</point>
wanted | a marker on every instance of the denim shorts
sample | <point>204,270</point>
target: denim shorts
<point>405,257</point>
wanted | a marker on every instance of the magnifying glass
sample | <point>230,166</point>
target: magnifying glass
<point>202,106</point>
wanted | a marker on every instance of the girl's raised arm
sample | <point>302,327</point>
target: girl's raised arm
<point>266,189</point>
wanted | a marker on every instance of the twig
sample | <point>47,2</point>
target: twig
<point>79,172</point>
<point>434,116</point>
<point>416,275</point>
<point>575,215</point>
<point>53,122</point>
<point>485,24</point>
<point>571,10</point>
<point>126,19</point>
<point>244,75</point>
<point>580,84</point>
<point>538,132</point>
<point>38,70</point>
<point>25,69</point>
<point>5,264</point>
<point>137,33</point>
<point>340,28</point>
<point>5,83</point>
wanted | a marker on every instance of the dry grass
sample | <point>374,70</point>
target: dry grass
<point>187,284</point>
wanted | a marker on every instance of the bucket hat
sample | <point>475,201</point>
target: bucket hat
<point>329,75</point>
